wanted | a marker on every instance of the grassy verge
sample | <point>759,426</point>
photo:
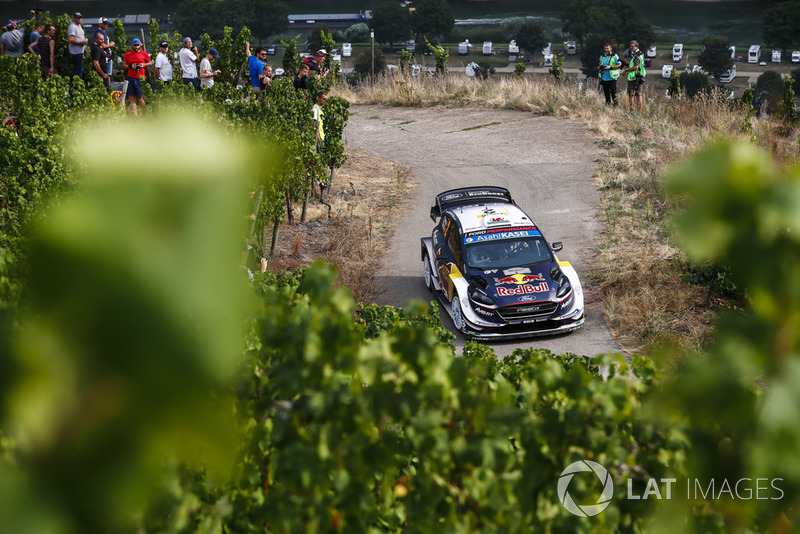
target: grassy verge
<point>649,295</point>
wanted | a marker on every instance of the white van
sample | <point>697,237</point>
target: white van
<point>487,48</point>
<point>727,76</point>
<point>463,48</point>
<point>347,50</point>
<point>776,56</point>
<point>570,48</point>
<point>754,54</point>
<point>677,52</point>
<point>513,48</point>
<point>548,60</point>
<point>796,56</point>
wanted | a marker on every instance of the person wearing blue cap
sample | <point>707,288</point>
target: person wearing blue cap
<point>135,61</point>
<point>11,43</point>
<point>77,44</point>
<point>206,73</point>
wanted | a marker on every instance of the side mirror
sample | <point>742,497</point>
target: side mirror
<point>557,246</point>
<point>436,212</point>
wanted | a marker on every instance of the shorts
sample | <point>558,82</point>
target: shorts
<point>134,87</point>
<point>635,87</point>
<point>256,90</point>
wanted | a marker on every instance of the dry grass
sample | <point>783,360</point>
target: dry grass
<point>366,193</point>
<point>645,300</point>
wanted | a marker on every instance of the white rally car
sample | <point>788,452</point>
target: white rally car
<point>494,272</point>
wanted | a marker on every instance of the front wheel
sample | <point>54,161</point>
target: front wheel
<point>426,268</point>
<point>458,316</point>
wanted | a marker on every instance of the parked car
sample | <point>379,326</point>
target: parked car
<point>763,63</point>
<point>666,71</point>
<point>796,56</point>
<point>697,68</point>
<point>648,62</point>
<point>347,49</point>
<point>494,272</point>
<point>651,52</point>
<point>728,75</point>
<point>271,50</point>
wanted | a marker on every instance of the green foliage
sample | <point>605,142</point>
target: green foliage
<point>391,21</point>
<point>405,62</point>
<point>314,41</point>
<point>141,326</point>
<point>519,69</point>
<point>557,70</point>
<point>291,61</point>
<point>266,17</point>
<point>780,27</point>
<point>769,91</point>
<point>694,83</point>
<point>638,29</point>
<point>357,33</point>
<point>743,213</point>
<point>433,18</point>
<point>363,62</point>
<point>674,85</point>
<point>532,37</point>
<point>788,105</point>
<point>591,53</point>
<point>715,57</point>
<point>441,55</point>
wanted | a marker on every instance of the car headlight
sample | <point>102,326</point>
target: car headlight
<point>564,287</point>
<point>479,297</point>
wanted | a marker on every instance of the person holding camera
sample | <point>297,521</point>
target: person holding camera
<point>609,69</point>
<point>135,61</point>
<point>636,74</point>
<point>188,56</point>
<point>315,63</point>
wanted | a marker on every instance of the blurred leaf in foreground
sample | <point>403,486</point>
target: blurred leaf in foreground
<point>133,327</point>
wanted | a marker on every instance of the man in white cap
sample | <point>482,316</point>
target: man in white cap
<point>315,63</point>
<point>188,56</point>
<point>102,26</point>
<point>11,43</point>
<point>77,44</point>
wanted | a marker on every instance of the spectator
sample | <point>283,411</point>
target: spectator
<point>609,69</point>
<point>319,131</point>
<point>45,46</point>
<point>35,34</point>
<point>188,56</point>
<point>267,79</point>
<point>255,65</point>
<point>302,75</point>
<point>206,73</point>
<point>12,41</point>
<point>135,61</point>
<point>636,74</point>
<point>163,63</point>
<point>77,44</point>
<point>102,26</point>
<point>99,58</point>
<point>315,63</point>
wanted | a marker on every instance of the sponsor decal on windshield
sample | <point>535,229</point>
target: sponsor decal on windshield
<point>498,230</point>
<point>512,234</point>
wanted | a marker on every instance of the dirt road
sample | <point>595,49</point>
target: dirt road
<point>546,163</point>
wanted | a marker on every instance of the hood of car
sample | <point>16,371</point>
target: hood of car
<point>518,284</point>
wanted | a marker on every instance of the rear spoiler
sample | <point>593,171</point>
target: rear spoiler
<point>468,195</point>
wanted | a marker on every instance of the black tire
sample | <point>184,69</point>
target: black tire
<point>427,270</point>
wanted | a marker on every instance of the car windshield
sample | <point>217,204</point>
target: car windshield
<point>505,253</point>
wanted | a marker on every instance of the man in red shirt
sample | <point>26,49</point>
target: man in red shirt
<point>135,61</point>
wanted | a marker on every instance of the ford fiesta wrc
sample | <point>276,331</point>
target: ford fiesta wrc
<point>493,271</point>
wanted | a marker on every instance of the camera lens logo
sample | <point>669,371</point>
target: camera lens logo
<point>586,510</point>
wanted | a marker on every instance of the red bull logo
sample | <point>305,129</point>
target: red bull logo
<point>522,283</point>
